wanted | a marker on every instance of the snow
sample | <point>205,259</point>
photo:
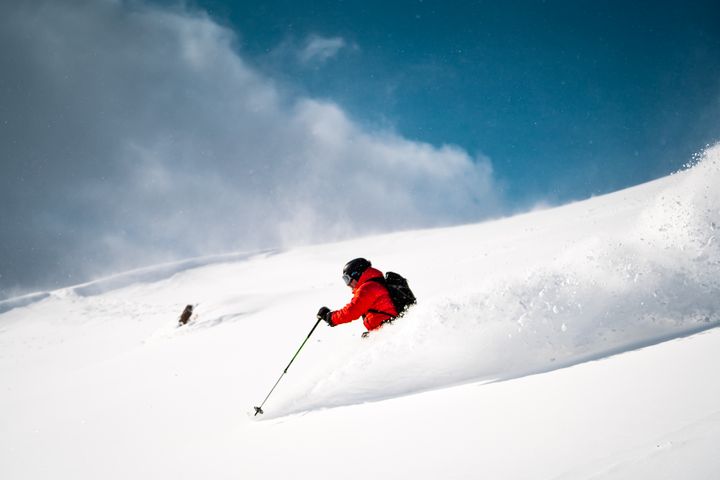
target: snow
<point>568,343</point>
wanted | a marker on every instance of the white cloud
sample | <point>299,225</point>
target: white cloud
<point>144,136</point>
<point>319,49</point>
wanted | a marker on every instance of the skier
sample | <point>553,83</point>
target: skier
<point>370,300</point>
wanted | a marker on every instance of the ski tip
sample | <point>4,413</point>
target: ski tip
<point>258,410</point>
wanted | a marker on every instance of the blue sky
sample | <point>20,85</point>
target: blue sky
<point>142,131</point>
<point>568,99</point>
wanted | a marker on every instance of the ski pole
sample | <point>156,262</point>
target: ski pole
<point>259,409</point>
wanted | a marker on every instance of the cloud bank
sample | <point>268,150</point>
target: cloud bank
<point>133,134</point>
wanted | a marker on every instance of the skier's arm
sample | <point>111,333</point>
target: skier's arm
<point>358,306</point>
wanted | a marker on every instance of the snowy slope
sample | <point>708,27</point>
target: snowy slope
<point>98,383</point>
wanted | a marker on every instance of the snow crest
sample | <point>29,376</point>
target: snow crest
<point>658,280</point>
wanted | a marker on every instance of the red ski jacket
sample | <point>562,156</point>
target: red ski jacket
<point>367,295</point>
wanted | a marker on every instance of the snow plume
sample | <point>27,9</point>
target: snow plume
<point>135,134</point>
<point>658,279</point>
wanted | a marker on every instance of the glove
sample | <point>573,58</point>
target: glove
<point>325,314</point>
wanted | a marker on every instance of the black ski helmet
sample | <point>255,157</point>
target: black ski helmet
<point>354,268</point>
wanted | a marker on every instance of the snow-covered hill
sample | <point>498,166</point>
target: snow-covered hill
<point>575,342</point>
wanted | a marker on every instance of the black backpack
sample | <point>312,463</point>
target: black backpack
<point>400,293</point>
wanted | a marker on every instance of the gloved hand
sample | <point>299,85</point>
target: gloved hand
<point>325,314</point>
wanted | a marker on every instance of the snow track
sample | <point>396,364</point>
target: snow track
<point>657,279</point>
